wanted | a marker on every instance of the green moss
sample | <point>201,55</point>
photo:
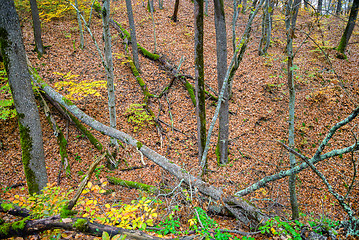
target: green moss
<point>86,132</point>
<point>218,153</point>
<point>139,145</point>
<point>80,224</point>
<point>97,7</point>
<point>4,229</point>
<point>148,54</point>
<point>65,212</point>
<point>7,206</point>
<point>26,146</point>
<point>190,90</point>
<point>67,101</point>
<point>19,225</point>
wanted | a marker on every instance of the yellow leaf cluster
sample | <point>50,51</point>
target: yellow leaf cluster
<point>79,90</point>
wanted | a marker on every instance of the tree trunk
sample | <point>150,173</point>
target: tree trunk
<point>319,8</point>
<point>350,26</point>
<point>80,26</point>
<point>221,41</point>
<point>266,28</point>
<point>109,66</point>
<point>291,17</point>
<point>175,11</point>
<point>133,35</point>
<point>339,7</point>
<point>13,51</point>
<point>37,27</point>
<point>199,75</point>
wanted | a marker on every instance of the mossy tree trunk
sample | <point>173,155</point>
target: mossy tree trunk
<point>350,27</point>
<point>221,41</point>
<point>199,76</point>
<point>13,51</point>
<point>37,27</point>
<point>109,66</point>
<point>133,35</point>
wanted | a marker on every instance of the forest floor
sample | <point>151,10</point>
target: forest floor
<point>258,109</point>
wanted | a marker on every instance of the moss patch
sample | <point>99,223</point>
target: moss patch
<point>80,224</point>
<point>65,212</point>
<point>67,101</point>
<point>26,146</point>
<point>139,145</point>
<point>7,206</point>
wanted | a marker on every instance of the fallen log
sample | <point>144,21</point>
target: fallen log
<point>181,174</point>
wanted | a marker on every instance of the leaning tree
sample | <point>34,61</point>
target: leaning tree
<point>13,52</point>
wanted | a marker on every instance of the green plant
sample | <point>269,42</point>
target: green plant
<point>169,224</point>
<point>138,116</point>
<point>7,109</point>
<point>78,90</point>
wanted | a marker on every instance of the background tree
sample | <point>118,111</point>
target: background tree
<point>175,11</point>
<point>199,75</point>
<point>37,27</point>
<point>131,22</point>
<point>290,21</point>
<point>320,6</point>
<point>339,7</point>
<point>221,42</point>
<point>13,51</point>
<point>109,66</point>
<point>350,27</point>
<point>80,25</point>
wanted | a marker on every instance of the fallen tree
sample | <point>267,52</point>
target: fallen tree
<point>238,206</point>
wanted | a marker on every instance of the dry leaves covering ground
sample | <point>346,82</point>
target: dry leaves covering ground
<point>258,107</point>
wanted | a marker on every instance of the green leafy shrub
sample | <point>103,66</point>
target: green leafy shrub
<point>54,9</point>
<point>137,115</point>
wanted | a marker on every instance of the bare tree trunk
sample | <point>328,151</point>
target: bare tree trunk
<point>291,16</point>
<point>199,75</point>
<point>339,7</point>
<point>133,35</point>
<point>109,66</point>
<point>266,28</point>
<point>175,11</point>
<point>350,27</point>
<point>319,8</point>
<point>37,28</point>
<point>221,41</point>
<point>13,51</point>
<point>80,25</point>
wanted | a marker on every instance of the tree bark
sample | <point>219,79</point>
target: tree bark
<point>291,17</point>
<point>221,42</point>
<point>109,66</point>
<point>350,27</point>
<point>339,7</point>
<point>133,35</point>
<point>37,27</point>
<point>82,42</point>
<point>320,5</point>
<point>175,11</point>
<point>199,76</point>
<point>13,51</point>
